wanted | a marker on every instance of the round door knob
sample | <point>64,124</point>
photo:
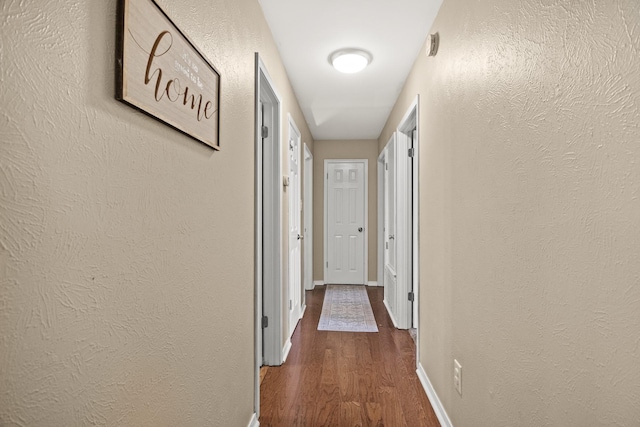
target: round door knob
<point>300,237</point>
<point>360,229</point>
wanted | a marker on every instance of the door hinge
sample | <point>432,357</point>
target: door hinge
<point>386,166</point>
<point>265,322</point>
<point>412,152</point>
<point>265,132</point>
<point>327,264</point>
<point>411,296</point>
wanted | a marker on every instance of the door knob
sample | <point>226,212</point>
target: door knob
<point>360,229</point>
<point>300,237</point>
<point>391,237</point>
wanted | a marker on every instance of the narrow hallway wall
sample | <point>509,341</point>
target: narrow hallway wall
<point>529,208</point>
<point>126,248</point>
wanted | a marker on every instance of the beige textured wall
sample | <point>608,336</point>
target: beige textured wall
<point>344,149</point>
<point>126,248</point>
<point>530,210</point>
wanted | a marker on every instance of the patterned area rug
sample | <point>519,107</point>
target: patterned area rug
<point>346,308</point>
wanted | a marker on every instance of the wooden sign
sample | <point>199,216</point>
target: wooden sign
<point>160,72</point>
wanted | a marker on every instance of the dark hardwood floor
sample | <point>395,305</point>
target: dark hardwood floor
<point>346,378</point>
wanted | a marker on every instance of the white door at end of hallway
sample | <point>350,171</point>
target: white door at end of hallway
<point>345,210</point>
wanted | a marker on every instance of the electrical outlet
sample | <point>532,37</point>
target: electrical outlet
<point>457,376</point>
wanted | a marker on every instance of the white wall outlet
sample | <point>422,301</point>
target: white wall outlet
<point>457,376</point>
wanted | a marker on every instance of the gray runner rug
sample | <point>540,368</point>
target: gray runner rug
<point>346,308</point>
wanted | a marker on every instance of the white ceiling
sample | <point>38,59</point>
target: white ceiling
<point>348,106</point>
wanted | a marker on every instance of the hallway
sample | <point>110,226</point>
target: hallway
<point>346,378</point>
<point>132,279</point>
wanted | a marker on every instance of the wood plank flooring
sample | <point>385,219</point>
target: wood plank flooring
<point>346,378</point>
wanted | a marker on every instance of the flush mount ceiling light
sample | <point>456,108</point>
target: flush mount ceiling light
<point>350,60</point>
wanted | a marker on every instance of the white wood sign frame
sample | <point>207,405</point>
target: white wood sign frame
<point>161,73</point>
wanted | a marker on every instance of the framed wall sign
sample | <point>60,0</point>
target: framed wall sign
<point>160,72</point>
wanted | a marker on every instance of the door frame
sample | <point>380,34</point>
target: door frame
<point>268,239</point>
<point>294,317</point>
<point>365,255</point>
<point>408,218</point>
<point>308,220</point>
<point>381,195</point>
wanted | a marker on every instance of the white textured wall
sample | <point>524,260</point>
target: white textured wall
<point>126,248</point>
<point>530,211</point>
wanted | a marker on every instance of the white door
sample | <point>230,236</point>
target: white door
<point>390,246</point>
<point>308,219</point>
<point>345,201</point>
<point>295,230</point>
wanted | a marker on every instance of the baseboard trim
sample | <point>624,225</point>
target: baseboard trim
<point>436,404</point>
<point>285,350</point>
<point>373,283</point>
<point>318,283</point>
<point>393,319</point>
<point>254,421</point>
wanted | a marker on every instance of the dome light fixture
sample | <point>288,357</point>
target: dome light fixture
<point>350,60</point>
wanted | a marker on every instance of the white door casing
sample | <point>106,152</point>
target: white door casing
<point>295,230</point>
<point>381,229</point>
<point>415,179</point>
<point>346,221</point>
<point>408,202</point>
<point>269,218</point>
<point>268,227</point>
<point>401,225</point>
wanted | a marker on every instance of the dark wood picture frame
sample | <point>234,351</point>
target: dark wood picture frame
<point>160,72</point>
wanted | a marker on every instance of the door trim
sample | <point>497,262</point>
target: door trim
<point>365,255</point>
<point>410,217</point>
<point>405,233</point>
<point>268,239</point>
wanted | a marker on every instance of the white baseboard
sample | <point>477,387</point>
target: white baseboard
<point>393,319</point>
<point>374,283</point>
<point>433,397</point>
<point>285,350</point>
<point>254,421</point>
